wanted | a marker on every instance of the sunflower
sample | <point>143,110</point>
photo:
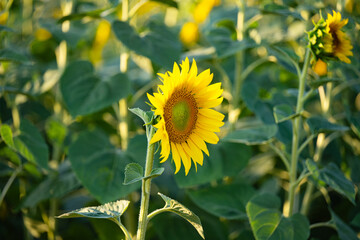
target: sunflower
<point>327,40</point>
<point>336,41</point>
<point>184,103</point>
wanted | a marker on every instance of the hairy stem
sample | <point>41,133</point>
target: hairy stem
<point>145,188</point>
<point>296,134</point>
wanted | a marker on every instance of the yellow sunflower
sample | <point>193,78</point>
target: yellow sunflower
<point>336,42</point>
<point>184,103</point>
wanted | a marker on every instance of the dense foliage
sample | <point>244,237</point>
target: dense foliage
<point>287,164</point>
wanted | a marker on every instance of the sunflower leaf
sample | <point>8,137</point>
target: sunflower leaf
<point>322,125</point>
<point>267,222</point>
<point>145,116</point>
<point>253,135</point>
<point>174,206</point>
<point>111,210</point>
<point>283,112</point>
<point>6,135</point>
<point>134,173</point>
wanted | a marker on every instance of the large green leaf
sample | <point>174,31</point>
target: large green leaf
<point>345,232</point>
<point>322,125</point>
<point>159,43</point>
<point>332,176</point>
<point>31,145</point>
<point>226,159</point>
<point>85,93</point>
<point>226,201</point>
<point>174,206</point>
<point>111,211</point>
<point>54,186</point>
<point>268,223</point>
<point>100,166</point>
<point>253,135</point>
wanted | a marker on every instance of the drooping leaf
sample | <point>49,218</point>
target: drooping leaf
<point>283,113</point>
<point>227,201</point>
<point>252,136</point>
<point>31,145</point>
<point>322,125</point>
<point>111,211</point>
<point>345,232</point>
<point>6,135</point>
<point>267,222</point>
<point>100,166</point>
<point>333,177</point>
<point>174,206</point>
<point>145,116</point>
<point>159,44</point>
<point>85,93</point>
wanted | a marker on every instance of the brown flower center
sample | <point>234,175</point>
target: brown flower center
<point>180,115</point>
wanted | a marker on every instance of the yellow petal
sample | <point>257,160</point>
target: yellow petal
<point>209,137</point>
<point>211,103</point>
<point>211,113</point>
<point>199,143</point>
<point>176,157</point>
<point>184,157</point>
<point>157,136</point>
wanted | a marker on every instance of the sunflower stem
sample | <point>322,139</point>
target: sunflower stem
<point>296,135</point>
<point>145,188</point>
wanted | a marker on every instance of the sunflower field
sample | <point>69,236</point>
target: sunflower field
<point>169,119</point>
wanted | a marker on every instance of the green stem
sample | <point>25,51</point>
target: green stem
<point>8,183</point>
<point>323,224</point>
<point>296,134</point>
<point>145,188</point>
<point>123,228</point>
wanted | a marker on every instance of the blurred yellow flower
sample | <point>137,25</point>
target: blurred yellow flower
<point>102,34</point>
<point>320,67</point>
<point>42,34</point>
<point>189,33</point>
<point>4,17</point>
<point>184,103</point>
<point>337,39</point>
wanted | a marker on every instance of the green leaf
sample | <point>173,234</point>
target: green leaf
<point>145,116</point>
<point>55,131</point>
<point>31,145</point>
<point>333,177</point>
<point>100,166</point>
<point>54,186</point>
<point>159,44</point>
<point>133,173</point>
<point>253,135</point>
<point>6,135</point>
<point>321,81</point>
<point>5,29</point>
<point>356,221</point>
<point>355,123</point>
<point>227,201</point>
<point>234,157</point>
<point>344,231</point>
<point>283,113</point>
<point>85,93</point>
<point>285,57</point>
<point>225,46</point>
<point>267,222</point>
<point>111,211</point>
<point>174,206</point>
<point>11,55</point>
<point>281,10</point>
<point>322,125</point>
<point>170,3</point>
<point>77,16</point>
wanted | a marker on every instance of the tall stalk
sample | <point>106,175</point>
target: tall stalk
<point>145,188</point>
<point>296,134</point>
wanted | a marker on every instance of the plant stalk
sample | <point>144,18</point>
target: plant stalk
<point>145,188</point>
<point>296,134</point>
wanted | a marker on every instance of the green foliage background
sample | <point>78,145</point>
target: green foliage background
<point>62,146</point>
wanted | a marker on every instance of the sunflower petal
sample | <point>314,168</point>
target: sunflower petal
<point>176,157</point>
